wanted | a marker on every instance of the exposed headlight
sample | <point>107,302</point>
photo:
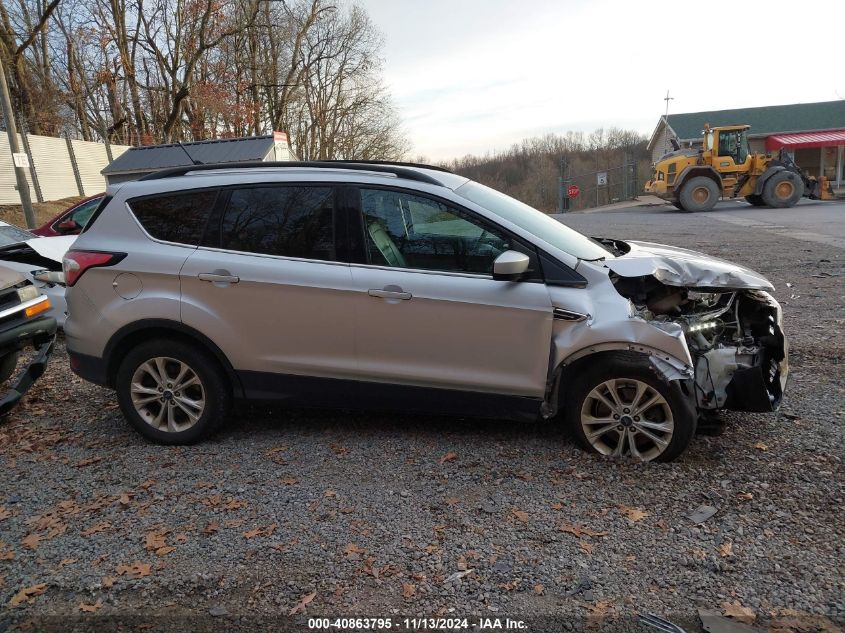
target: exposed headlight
<point>702,325</point>
<point>28,293</point>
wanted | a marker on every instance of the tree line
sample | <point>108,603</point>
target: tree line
<point>530,170</point>
<point>140,72</point>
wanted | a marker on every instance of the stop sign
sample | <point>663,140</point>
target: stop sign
<point>572,191</point>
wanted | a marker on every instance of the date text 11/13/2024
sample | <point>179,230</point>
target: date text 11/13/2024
<point>417,624</point>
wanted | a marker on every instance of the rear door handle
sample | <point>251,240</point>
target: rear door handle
<point>389,294</point>
<point>219,277</point>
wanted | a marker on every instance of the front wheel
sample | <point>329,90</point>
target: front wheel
<point>699,194</point>
<point>783,189</point>
<point>621,407</point>
<point>172,392</point>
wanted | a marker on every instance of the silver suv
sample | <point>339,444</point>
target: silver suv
<point>395,286</point>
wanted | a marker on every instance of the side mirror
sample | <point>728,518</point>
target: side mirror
<point>68,226</point>
<point>510,266</point>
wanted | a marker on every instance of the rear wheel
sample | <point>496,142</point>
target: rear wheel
<point>755,200</point>
<point>783,189</point>
<point>699,194</point>
<point>172,392</point>
<point>621,407</point>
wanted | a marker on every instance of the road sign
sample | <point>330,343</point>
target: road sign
<point>20,159</point>
<point>572,191</point>
<point>601,178</point>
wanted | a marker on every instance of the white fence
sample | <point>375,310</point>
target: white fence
<point>58,167</point>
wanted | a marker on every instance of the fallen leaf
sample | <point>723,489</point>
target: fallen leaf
<point>91,608</point>
<point>520,515</point>
<point>597,608</point>
<point>125,498</point>
<point>6,553</point>
<point>579,530</point>
<point>5,513</point>
<point>726,549</point>
<point>290,481</point>
<point>88,462</point>
<point>632,514</point>
<point>107,582</point>
<point>557,505</point>
<point>761,446</point>
<point>234,504</point>
<point>329,493</point>
<point>27,594</point>
<point>539,589</point>
<point>102,526</point>
<point>339,450</point>
<point>452,501</point>
<point>304,602</point>
<point>31,541</point>
<point>747,496</point>
<point>353,551</point>
<point>164,551</point>
<point>211,528</point>
<point>736,611</point>
<point>134,570</point>
<point>509,586</point>
<point>156,539</point>
<point>449,457</point>
<point>265,531</point>
<point>233,523</point>
<point>146,485</point>
<point>586,546</point>
<point>408,590</point>
<point>66,561</point>
<point>698,553</point>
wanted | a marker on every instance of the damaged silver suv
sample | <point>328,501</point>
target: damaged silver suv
<point>404,287</point>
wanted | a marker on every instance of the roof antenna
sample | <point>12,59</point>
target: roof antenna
<point>191,158</point>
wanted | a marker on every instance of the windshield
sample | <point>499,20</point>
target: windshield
<point>13,235</point>
<point>534,221</point>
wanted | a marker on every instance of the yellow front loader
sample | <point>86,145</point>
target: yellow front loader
<point>694,180</point>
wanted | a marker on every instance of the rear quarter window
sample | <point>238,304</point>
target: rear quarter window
<point>175,217</point>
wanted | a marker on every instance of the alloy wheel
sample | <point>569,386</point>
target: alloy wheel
<point>168,394</point>
<point>624,416</point>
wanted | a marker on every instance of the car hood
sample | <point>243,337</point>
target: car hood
<point>52,247</point>
<point>675,266</point>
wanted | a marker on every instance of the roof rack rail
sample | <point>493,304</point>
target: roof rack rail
<point>402,170</point>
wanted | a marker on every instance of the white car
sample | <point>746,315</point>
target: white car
<point>38,259</point>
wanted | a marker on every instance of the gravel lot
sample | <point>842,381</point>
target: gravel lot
<point>391,515</point>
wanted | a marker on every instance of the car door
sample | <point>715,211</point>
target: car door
<point>268,287</point>
<point>428,312</point>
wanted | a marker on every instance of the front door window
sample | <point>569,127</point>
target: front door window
<point>403,230</point>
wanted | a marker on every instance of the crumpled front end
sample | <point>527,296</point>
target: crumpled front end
<point>735,339</point>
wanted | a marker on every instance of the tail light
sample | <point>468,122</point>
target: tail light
<point>75,263</point>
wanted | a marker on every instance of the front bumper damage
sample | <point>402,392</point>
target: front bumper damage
<point>41,334</point>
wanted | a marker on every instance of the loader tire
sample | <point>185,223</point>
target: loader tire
<point>755,201</point>
<point>699,194</point>
<point>783,189</point>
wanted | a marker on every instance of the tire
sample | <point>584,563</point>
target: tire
<point>8,364</point>
<point>698,194</point>
<point>755,201</point>
<point>784,189</point>
<point>150,414</point>
<point>677,205</point>
<point>673,411</point>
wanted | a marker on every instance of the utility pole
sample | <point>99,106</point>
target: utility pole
<point>12,131</point>
<point>667,99</point>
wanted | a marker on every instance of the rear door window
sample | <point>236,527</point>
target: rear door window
<point>281,220</point>
<point>175,217</point>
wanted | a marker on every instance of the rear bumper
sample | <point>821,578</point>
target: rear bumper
<point>90,368</point>
<point>42,334</point>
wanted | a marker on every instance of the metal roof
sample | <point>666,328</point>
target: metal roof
<point>155,157</point>
<point>764,121</point>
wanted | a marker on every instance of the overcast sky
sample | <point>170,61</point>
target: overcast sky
<point>472,76</point>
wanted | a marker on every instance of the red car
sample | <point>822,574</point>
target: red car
<point>71,221</point>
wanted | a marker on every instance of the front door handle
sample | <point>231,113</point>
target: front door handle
<point>389,293</point>
<point>219,277</point>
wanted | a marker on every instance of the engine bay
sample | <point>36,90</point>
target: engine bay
<point>734,337</point>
